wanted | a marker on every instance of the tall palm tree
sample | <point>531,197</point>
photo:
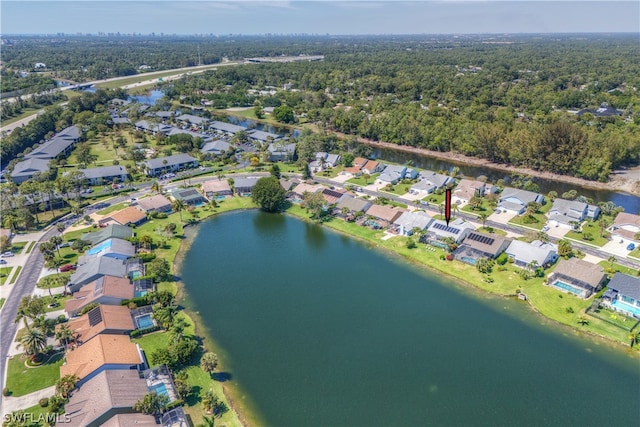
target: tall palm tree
<point>209,401</point>
<point>65,335</point>
<point>178,206</point>
<point>33,341</point>
<point>611,260</point>
<point>483,217</point>
<point>56,241</point>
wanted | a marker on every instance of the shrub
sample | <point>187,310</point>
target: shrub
<point>146,257</point>
<point>44,402</point>
<point>502,259</point>
<point>6,392</point>
<point>88,308</point>
<point>570,310</point>
<point>62,318</point>
<point>411,244</point>
<point>449,257</point>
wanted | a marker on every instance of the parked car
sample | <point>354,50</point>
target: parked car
<point>3,261</point>
<point>64,245</point>
<point>7,254</point>
<point>631,247</point>
<point>67,267</point>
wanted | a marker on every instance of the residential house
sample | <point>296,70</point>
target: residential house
<point>193,120</point>
<point>605,110</point>
<point>103,319</point>
<point>457,229</point>
<point>566,213</point>
<point>578,277</point>
<point>28,168</point>
<point>515,200</point>
<point>281,152</point>
<point>135,419</point>
<point>113,248</point>
<point>91,268</point>
<point>626,227</point>
<point>127,216</point>
<point>356,167</point>
<point>120,121</point>
<point>109,232</point>
<point>535,253</point>
<point>263,137</point>
<point>164,115</point>
<point>466,190</point>
<point>216,188</point>
<point>173,163</point>
<point>152,128</point>
<point>430,182</point>
<point>384,215</point>
<point>58,146</point>
<point>244,186</point>
<point>188,196</point>
<point>393,173</point>
<point>297,194</point>
<point>331,196</point>
<point>289,184</point>
<point>352,204</point>
<point>371,167</point>
<point>479,245</point>
<point>192,134</point>
<point>105,174</point>
<point>155,203</point>
<point>106,290</point>
<point>216,148</point>
<point>102,353</point>
<point>593,212</point>
<point>324,161</point>
<point>109,394</point>
<point>226,128</point>
<point>406,223</point>
<point>160,379</point>
<point>623,294</point>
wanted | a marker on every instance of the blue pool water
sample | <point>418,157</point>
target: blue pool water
<point>159,388</point>
<point>144,321</point>
<point>220,198</point>
<point>468,260</point>
<point>623,306</point>
<point>565,286</point>
<point>135,274</point>
<point>140,293</point>
<point>101,247</point>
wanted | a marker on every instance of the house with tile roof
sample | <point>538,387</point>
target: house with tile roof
<point>103,319</point>
<point>91,268</point>
<point>385,215</point>
<point>515,200</point>
<point>216,188</point>
<point>105,290</point>
<point>127,216</point>
<point>466,190</point>
<point>626,228</point>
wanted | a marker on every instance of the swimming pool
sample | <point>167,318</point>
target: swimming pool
<point>101,247</point>
<point>135,274</point>
<point>468,260</point>
<point>139,294</point>
<point>145,321</point>
<point>624,307</point>
<point>567,287</point>
<point>159,388</point>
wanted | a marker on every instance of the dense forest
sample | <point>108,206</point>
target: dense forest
<point>510,99</point>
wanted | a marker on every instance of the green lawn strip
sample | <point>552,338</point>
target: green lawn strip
<point>519,220</point>
<point>563,308</point>
<point>57,300</point>
<point>15,275</point>
<point>398,189</point>
<point>26,112</point>
<point>492,230</point>
<point>23,380</point>
<point>38,413</point>
<point>591,229</point>
<point>477,211</point>
<point>30,247</point>
<point>17,248</point>
<point>2,300</point>
<point>361,181</point>
<point>611,269</point>
<point>4,274</point>
<point>435,199</point>
<point>331,173</point>
<point>635,253</point>
<point>54,281</point>
<point>113,208</point>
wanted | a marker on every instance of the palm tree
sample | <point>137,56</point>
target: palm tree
<point>66,384</point>
<point>207,422</point>
<point>178,206</point>
<point>146,241</point>
<point>208,362</point>
<point>533,265</point>
<point>611,260</point>
<point>583,320</point>
<point>634,337</point>
<point>604,224</point>
<point>30,308</point>
<point>60,227</point>
<point>209,401</point>
<point>483,217</point>
<point>33,341</point>
<point>165,315</point>
<point>156,187</point>
<point>65,335</point>
<point>56,241</point>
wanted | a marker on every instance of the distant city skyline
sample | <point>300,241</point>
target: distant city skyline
<point>318,17</point>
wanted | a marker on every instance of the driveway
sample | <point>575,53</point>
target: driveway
<point>616,248</point>
<point>11,404</point>
<point>502,217</point>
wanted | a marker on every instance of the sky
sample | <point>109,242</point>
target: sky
<point>318,17</point>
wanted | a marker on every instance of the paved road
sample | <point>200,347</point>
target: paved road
<point>24,286</point>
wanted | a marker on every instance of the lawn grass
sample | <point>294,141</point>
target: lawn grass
<point>434,198</point>
<point>635,253</point>
<point>4,274</point>
<point>398,189</point>
<point>593,229</point>
<point>26,112</point>
<point>22,380</point>
<point>519,221</point>
<point>360,181</point>
<point>17,248</point>
<point>41,414</point>
<point>553,304</point>
<point>483,208</point>
<point>57,299</point>
<point>15,275</point>
<point>54,280</point>
<point>492,230</point>
<point>113,208</point>
<point>611,269</point>
<point>331,173</point>
<point>30,247</point>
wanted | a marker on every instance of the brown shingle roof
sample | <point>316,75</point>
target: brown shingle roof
<point>106,286</point>
<point>155,202</point>
<point>128,216</point>
<point>215,186</point>
<point>580,270</point>
<point>385,213</point>
<point>303,187</point>
<point>630,222</point>
<point>114,318</point>
<point>99,351</point>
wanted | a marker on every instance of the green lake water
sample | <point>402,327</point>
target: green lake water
<point>317,329</point>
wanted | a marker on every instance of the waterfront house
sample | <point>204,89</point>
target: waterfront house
<point>371,167</point>
<point>431,181</point>
<point>105,396</point>
<point>466,190</point>
<point>138,420</point>
<point>625,228</point>
<point>226,128</point>
<point>356,166</point>
<point>392,174</point>
<point>174,418</point>
<point>216,188</point>
<point>289,184</point>
<point>106,290</point>
<point>566,213</point>
<point>113,248</point>
<point>91,268</point>
<point>263,137</point>
<point>324,161</point>
<point>537,252</point>
<point>192,120</point>
<point>216,147</point>
<point>188,196</point>
<point>104,174</point>
<point>479,245</point>
<point>384,215</point>
<point>161,165</point>
<point>28,168</point>
<point>406,223</point>
<point>109,232</point>
<point>578,277</point>
<point>298,192</point>
<point>102,353</point>
<point>244,186</point>
<point>127,216</point>
<point>280,152</point>
<point>103,319</point>
<point>623,294</point>
<point>155,203</point>
<point>457,229</point>
<point>351,203</point>
<point>331,197</point>
<point>515,200</point>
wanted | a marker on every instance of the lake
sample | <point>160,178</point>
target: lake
<point>317,329</point>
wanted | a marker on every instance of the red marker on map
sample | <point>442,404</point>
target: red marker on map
<point>447,205</point>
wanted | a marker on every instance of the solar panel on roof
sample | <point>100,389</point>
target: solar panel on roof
<point>485,240</point>
<point>95,316</point>
<point>446,228</point>
<point>332,193</point>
